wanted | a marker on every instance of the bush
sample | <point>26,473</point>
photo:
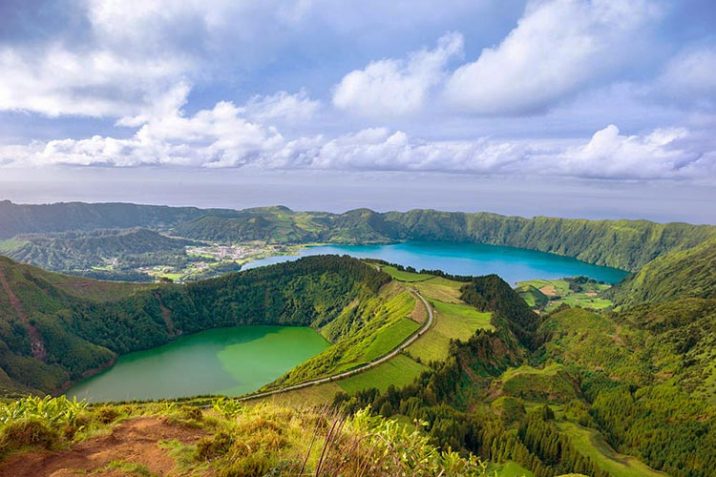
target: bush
<point>257,464</point>
<point>27,432</point>
<point>209,448</point>
<point>107,414</point>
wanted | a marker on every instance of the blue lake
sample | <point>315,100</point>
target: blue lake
<point>512,264</point>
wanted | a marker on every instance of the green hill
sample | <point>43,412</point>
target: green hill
<point>679,274</point>
<point>18,219</point>
<point>85,250</point>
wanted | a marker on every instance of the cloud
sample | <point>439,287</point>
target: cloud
<point>281,107</point>
<point>135,55</point>
<point>688,78</point>
<point>663,153</point>
<point>393,87</point>
<point>223,137</point>
<point>217,137</point>
<point>557,48</point>
<point>55,81</point>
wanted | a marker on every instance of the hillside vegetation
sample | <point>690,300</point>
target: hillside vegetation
<point>619,391</point>
<point>678,274</point>
<point>18,219</point>
<point>606,394</point>
<point>93,252</point>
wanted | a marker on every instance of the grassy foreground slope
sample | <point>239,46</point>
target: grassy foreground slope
<point>56,329</point>
<point>226,440</point>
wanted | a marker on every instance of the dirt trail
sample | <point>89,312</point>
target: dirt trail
<point>135,441</point>
<point>37,345</point>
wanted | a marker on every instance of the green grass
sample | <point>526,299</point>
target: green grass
<point>549,384</point>
<point>593,445</point>
<point>399,371</point>
<point>384,325</point>
<point>510,469</point>
<point>534,292</point>
<point>452,321</point>
<point>390,337</point>
<point>128,468</point>
<point>532,296</point>
<point>404,276</point>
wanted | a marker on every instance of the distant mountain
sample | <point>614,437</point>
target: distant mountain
<point>18,219</point>
<point>618,243</point>
<point>626,244</point>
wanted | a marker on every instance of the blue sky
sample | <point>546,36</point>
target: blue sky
<point>519,98</point>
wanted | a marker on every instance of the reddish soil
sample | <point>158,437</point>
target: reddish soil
<point>135,441</point>
<point>37,345</point>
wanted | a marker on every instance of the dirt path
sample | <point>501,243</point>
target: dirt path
<point>408,341</point>
<point>135,441</point>
<point>37,345</point>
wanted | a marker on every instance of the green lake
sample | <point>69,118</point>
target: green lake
<point>227,361</point>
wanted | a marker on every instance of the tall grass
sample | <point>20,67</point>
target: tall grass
<point>53,411</point>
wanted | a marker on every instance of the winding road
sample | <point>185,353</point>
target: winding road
<point>410,340</point>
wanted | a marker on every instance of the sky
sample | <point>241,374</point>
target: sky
<point>578,108</point>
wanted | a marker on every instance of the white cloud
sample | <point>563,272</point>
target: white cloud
<point>56,81</point>
<point>223,137</point>
<point>281,107</point>
<point>217,137</point>
<point>558,47</point>
<point>663,153</point>
<point>689,78</point>
<point>136,56</point>
<point>393,87</point>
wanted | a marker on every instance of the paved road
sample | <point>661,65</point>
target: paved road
<point>410,340</point>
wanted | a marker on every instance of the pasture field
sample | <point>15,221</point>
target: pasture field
<point>403,276</point>
<point>590,443</point>
<point>399,371</point>
<point>548,295</point>
<point>453,321</point>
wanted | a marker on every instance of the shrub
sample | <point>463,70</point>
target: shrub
<point>209,448</point>
<point>27,432</point>
<point>107,414</point>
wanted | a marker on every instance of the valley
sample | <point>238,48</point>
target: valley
<point>536,364</point>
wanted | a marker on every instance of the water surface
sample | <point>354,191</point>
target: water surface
<point>512,264</point>
<point>227,361</point>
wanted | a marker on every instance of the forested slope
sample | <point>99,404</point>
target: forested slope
<point>65,216</point>
<point>553,393</point>
<point>678,274</point>
<point>80,251</point>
